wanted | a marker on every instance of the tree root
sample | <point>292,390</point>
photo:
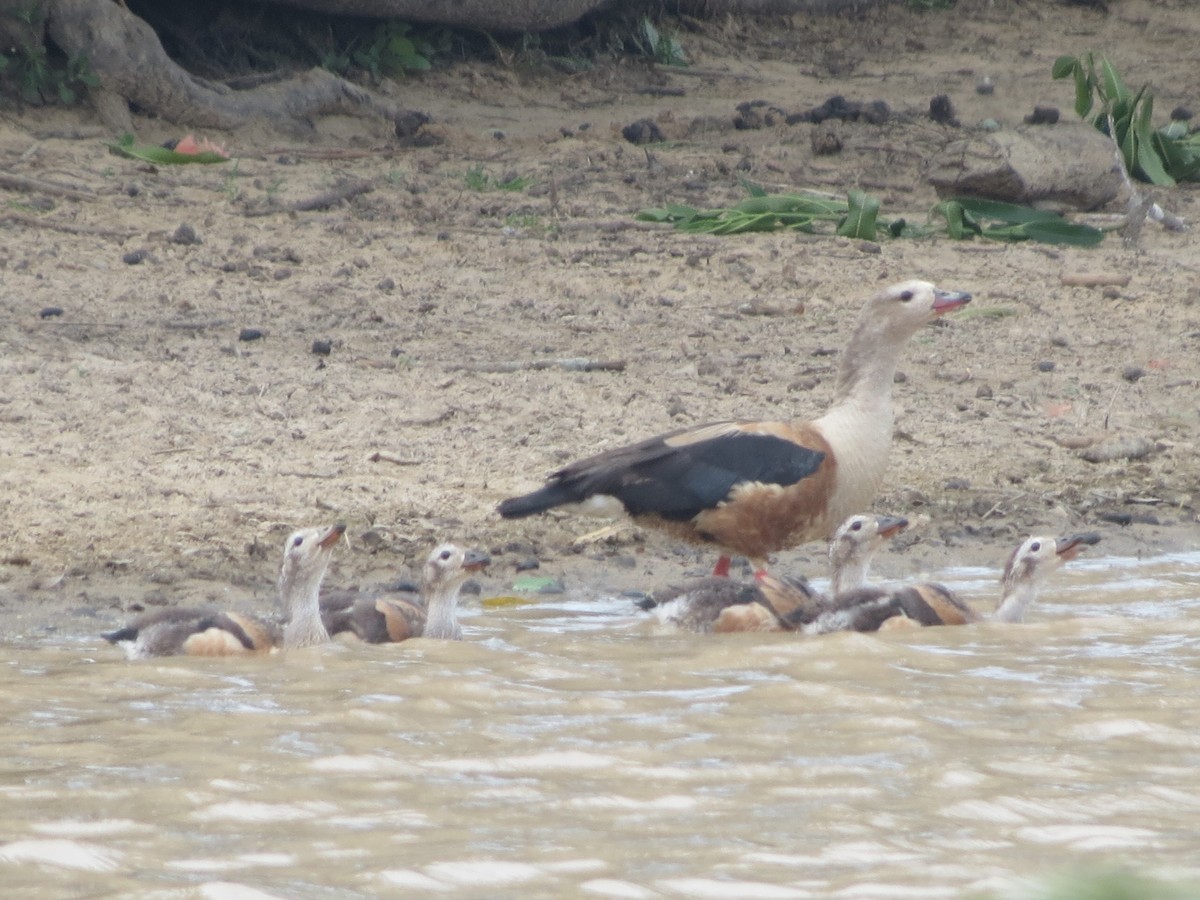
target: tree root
<point>131,65</point>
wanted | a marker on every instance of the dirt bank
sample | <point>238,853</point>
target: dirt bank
<point>150,455</point>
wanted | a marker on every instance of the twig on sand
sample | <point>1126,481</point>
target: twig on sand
<point>571,364</point>
<point>320,201</point>
<point>380,456</point>
<point>328,152</point>
<point>1093,279</point>
<point>24,183</point>
<point>334,197</point>
<point>69,227</point>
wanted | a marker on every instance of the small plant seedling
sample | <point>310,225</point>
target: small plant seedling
<point>478,179</point>
<point>1159,156</point>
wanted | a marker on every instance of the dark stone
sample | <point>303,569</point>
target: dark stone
<point>1042,115</point>
<point>941,110</point>
<point>1046,365</point>
<point>825,140</point>
<point>528,564</point>
<point>135,257</point>
<point>408,123</point>
<point>51,311</point>
<point>251,334</point>
<point>185,234</point>
<point>643,131</point>
<point>322,348</point>
<point>1133,373</point>
<point>1181,114</point>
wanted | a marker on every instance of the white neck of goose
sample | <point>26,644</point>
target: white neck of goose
<point>441,600</point>
<point>858,425</point>
<point>851,573</point>
<point>1019,589</point>
<point>299,590</point>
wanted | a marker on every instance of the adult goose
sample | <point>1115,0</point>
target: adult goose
<point>721,604</point>
<point>930,604</point>
<point>432,614</point>
<point>207,632</point>
<point>754,488</point>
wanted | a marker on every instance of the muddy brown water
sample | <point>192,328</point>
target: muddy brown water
<point>568,748</point>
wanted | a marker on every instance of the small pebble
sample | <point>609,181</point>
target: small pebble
<point>50,312</point>
<point>528,564</point>
<point>282,274</point>
<point>985,85</point>
<point>1181,114</point>
<point>134,257</point>
<point>1042,115</point>
<point>643,131</point>
<point>983,392</point>
<point>1046,365</point>
<point>250,334</point>
<point>1133,374</point>
<point>958,484</point>
<point>941,110</point>
<point>185,234</point>
<point>386,285</point>
<point>322,348</point>
<point>1118,448</point>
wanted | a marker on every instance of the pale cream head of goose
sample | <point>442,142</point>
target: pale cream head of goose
<point>306,556</point>
<point>450,565</point>
<point>1029,566</point>
<point>855,543</point>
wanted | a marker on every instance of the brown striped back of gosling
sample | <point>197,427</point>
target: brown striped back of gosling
<point>207,632</point>
<point>928,604</point>
<point>391,619</point>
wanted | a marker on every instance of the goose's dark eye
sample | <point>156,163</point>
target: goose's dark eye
<point>298,541</point>
<point>857,526</point>
<point>905,296</point>
<point>445,555</point>
<point>1035,547</point>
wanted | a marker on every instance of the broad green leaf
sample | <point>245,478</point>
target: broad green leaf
<point>1005,212</point>
<point>161,156</point>
<point>401,46</point>
<point>860,218</point>
<point>1114,88</point>
<point>1061,232</point>
<point>952,212</point>
<point>1151,165</point>
<point>1128,143</point>
<point>1181,158</point>
<point>1064,66</point>
<point>751,188</point>
<point>1083,94</point>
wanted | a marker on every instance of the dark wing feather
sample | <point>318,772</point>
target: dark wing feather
<point>672,477</point>
<point>173,625</point>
